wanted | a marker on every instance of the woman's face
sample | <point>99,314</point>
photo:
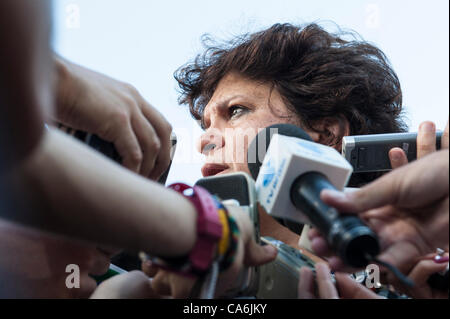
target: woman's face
<point>36,264</point>
<point>236,112</point>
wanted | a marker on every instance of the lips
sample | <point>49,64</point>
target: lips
<point>213,169</point>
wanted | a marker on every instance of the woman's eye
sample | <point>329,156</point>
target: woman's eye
<point>236,111</point>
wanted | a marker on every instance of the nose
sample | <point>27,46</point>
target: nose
<point>210,141</point>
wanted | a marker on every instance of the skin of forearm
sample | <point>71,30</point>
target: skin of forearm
<point>65,89</point>
<point>77,192</point>
<point>26,86</point>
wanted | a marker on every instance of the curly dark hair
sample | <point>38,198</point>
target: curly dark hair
<point>318,74</point>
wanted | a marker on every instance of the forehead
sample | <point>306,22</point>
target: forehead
<point>233,83</point>
<point>235,86</point>
<point>236,82</point>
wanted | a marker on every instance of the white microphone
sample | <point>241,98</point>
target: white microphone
<point>293,173</point>
<point>286,159</point>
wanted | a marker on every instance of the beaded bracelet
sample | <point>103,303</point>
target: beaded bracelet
<point>224,243</point>
<point>226,246</point>
<point>233,239</point>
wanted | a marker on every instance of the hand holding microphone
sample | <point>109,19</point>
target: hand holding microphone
<point>408,208</point>
<point>116,113</point>
<point>289,182</point>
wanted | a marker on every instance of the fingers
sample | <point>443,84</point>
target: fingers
<point>116,112</point>
<point>163,130</point>
<point>149,269</point>
<point>141,136</point>
<point>382,192</point>
<point>161,283</point>
<point>445,138</point>
<point>143,149</point>
<point>136,286</point>
<point>402,255</point>
<point>181,286</point>
<point>256,255</point>
<point>408,186</point>
<point>339,200</point>
<point>397,158</point>
<point>128,147</point>
<point>350,289</point>
<point>426,139</point>
<point>149,144</point>
<point>424,269</point>
<point>306,284</point>
<point>325,286</point>
<point>322,249</point>
<point>170,284</point>
<point>319,244</point>
<point>420,275</point>
<point>131,285</point>
<point>336,264</point>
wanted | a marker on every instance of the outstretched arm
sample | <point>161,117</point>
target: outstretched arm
<point>75,191</point>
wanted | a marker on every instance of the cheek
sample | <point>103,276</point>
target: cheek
<point>241,134</point>
<point>278,113</point>
<point>241,137</point>
<point>237,141</point>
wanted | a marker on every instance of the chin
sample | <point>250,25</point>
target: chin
<point>242,168</point>
<point>227,171</point>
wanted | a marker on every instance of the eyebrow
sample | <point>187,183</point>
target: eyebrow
<point>219,104</point>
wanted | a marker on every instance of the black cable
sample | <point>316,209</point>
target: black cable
<point>397,273</point>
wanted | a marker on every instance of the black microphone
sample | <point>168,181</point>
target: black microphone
<point>296,168</point>
<point>109,150</point>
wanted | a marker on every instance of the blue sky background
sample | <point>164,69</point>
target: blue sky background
<point>143,42</point>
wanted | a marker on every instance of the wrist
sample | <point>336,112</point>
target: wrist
<point>217,236</point>
<point>209,232</point>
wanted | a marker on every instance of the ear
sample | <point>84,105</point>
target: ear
<point>330,131</point>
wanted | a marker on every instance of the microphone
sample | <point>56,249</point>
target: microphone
<point>291,171</point>
<point>276,280</point>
